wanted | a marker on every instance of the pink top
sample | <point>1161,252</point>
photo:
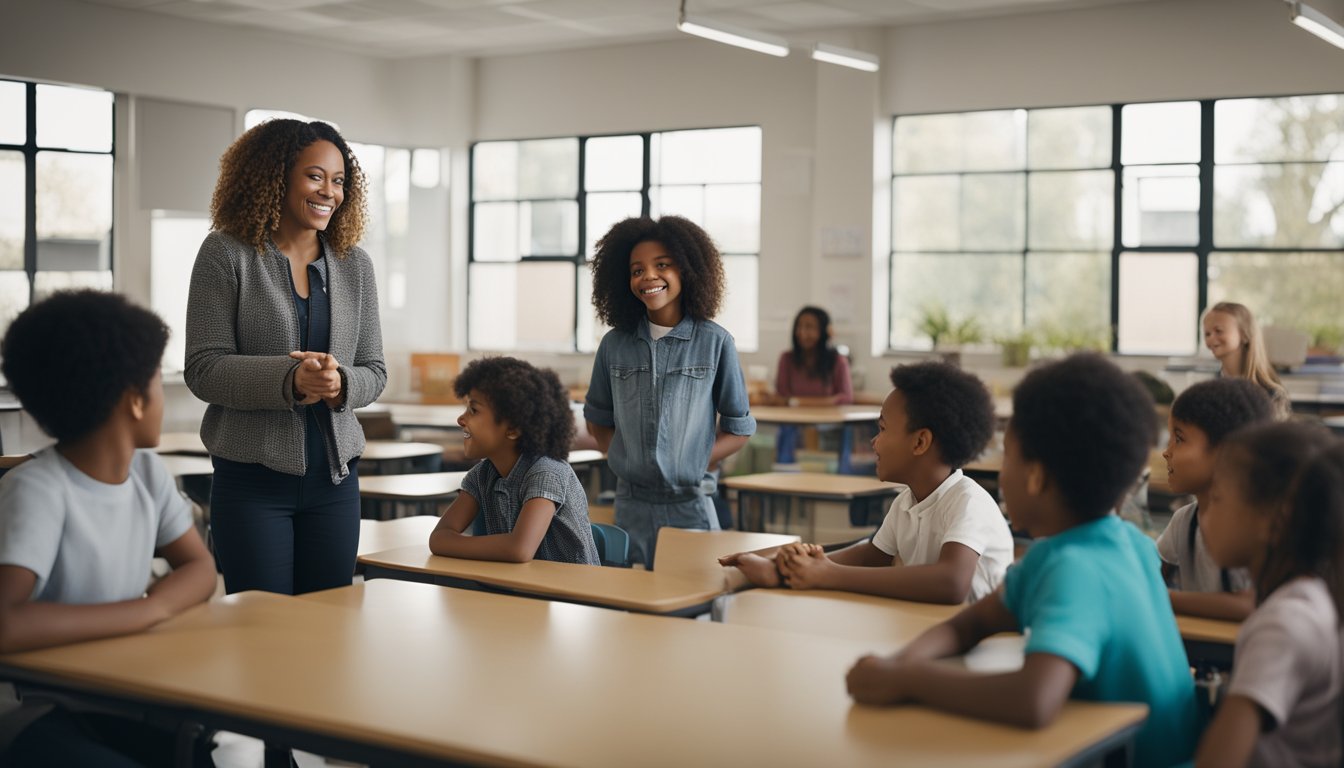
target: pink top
<point>794,381</point>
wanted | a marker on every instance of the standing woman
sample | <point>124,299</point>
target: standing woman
<point>283,342</point>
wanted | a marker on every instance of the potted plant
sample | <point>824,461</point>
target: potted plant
<point>1016,348</point>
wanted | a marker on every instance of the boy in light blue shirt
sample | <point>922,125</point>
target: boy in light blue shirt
<point>1098,621</point>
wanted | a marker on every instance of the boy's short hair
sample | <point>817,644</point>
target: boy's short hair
<point>69,358</point>
<point>530,399</point>
<point>1219,407</point>
<point>1089,424</point>
<point>949,402</point>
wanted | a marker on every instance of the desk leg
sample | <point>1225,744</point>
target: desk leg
<point>842,463</point>
<point>278,756</point>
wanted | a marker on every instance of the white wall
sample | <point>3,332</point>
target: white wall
<point>193,82</point>
<point>1154,51</point>
<point>823,171</point>
<point>815,125</point>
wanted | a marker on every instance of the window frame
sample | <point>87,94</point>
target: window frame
<point>1203,249</point>
<point>30,150</point>
<point>579,259</point>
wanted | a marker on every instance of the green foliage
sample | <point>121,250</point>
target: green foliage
<point>1328,338</point>
<point>1065,338</point>
<point>942,328</point>
<point>1016,347</point>
<point>934,322</point>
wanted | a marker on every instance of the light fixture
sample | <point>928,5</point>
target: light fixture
<point>845,57</point>
<point>732,35</point>
<point>1317,23</point>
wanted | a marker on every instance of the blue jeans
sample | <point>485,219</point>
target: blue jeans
<point>642,517</point>
<point>283,533</point>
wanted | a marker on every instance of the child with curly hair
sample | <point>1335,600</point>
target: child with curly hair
<point>81,521</point>
<point>667,400</point>
<point>518,420</point>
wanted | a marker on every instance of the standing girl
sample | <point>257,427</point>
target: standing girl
<point>667,400</point>
<point>1231,334</point>
<point>1277,508</point>
<point>283,342</point>
<point>813,372</point>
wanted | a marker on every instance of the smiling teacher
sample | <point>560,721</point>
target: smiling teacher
<point>283,342</point>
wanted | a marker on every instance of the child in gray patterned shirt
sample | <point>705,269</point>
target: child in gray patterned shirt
<point>533,506</point>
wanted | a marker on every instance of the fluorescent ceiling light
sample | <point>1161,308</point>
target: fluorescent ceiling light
<point>845,57</point>
<point>732,35</point>
<point>1317,23</point>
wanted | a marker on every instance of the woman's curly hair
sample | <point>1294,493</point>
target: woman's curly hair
<point>688,245</point>
<point>531,400</point>
<point>253,173</point>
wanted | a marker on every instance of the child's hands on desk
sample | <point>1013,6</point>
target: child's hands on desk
<point>803,566</point>
<point>759,570</point>
<point>876,680</point>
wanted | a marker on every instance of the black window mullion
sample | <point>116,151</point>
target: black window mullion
<point>1117,234</point>
<point>1205,246</point>
<point>30,190</point>
<point>1026,228</point>
<point>582,256</point>
<point>645,205</point>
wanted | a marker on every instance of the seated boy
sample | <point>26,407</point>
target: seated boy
<point>82,520</point>
<point>1200,418</point>
<point>518,420</point>
<point>1098,622</point>
<point>944,539</point>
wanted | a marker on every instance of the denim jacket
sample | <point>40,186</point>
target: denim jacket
<point>664,398</point>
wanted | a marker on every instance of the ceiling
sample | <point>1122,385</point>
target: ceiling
<point>405,28</point>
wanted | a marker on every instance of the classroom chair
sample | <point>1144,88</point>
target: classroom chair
<point>613,545</point>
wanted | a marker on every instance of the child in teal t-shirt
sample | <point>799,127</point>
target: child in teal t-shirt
<point>1098,621</point>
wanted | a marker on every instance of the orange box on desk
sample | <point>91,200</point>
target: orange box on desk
<point>432,375</point>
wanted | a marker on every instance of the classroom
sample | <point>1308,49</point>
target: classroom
<point>994,185</point>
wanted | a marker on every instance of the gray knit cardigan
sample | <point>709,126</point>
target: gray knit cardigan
<point>241,327</point>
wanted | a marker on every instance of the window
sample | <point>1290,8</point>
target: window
<point>406,196</point>
<point>1019,219</point>
<point>55,192</point>
<point>539,206</point>
<point>1002,220</point>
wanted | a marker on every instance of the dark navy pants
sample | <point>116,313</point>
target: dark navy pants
<point>283,533</point>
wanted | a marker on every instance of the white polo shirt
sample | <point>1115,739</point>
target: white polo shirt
<point>958,511</point>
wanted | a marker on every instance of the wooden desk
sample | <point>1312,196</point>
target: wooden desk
<point>420,415</point>
<point>890,624</point>
<point>188,466</point>
<point>586,457</point>
<point>678,593</point>
<point>680,549</point>
<point>378,535</point>
<point>394,457</point>
<point>314,673</point>
<point>816,415</point>
<point>805,487</point>
<point>1209,641</point>
<point>185,443</point>
<point>845,416</point>
<point>881,624</point>
<point>990,463</point>
<point>423,489</point>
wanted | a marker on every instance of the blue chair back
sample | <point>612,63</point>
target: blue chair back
<point>613,545</point>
